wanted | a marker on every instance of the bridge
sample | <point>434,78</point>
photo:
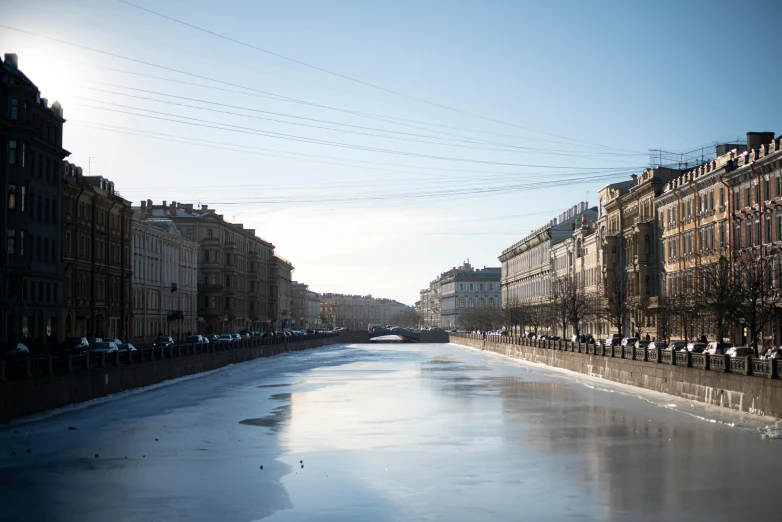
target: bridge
<point>406,335</point>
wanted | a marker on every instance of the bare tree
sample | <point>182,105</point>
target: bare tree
<point>406,319</point>
<point>616,304</point>
<point>638,310</point>
<point>537,315</point>
<point>570,306</point>
<point>513,315</point>
<point>758,300</point>
<point>482,319</point>
<point>719,297</point>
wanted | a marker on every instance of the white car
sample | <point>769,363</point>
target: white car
<point>225,338</point>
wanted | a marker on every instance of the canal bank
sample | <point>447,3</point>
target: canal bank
<point>388,433</point>
<point>713,384</point>
<point>32,386</point>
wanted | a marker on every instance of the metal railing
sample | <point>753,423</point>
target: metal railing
<point>748,366</point>
<point>40,367</point>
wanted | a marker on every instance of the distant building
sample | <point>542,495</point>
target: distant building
<point>313,309</point>
<point>96,224</point>
<point>281,291</point>
<point>165,279</point>
<point>233,267</point>
<point>31,269</point>
<point>458,289</point>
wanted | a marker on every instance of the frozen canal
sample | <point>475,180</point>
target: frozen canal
<point>397,432</point>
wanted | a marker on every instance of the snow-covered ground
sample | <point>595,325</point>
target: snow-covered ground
<point>390,432</point>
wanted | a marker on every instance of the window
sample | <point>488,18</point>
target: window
<point>12,152</point>
<point>21,242</point>
<point>481,286</point>
<point>23,190</point>
<point>14,109</point>
<point>11,197</point>
<point>748,242</point>
<point>472,302</point>
<point>766,189</point>
<point>11,242</point>
<point>647,245</point>
<point>491,302</point>
<point>472,287</point>
<point>481,303</point>
<point>778,186</point>
<point>746,197</point>
<point>461,301</point>
<point>24,155</point>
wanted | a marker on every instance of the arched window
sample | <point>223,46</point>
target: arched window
<point>472,302</point>
<point>481,302</point>
<point>491,286</point>
<point>647,245</point>
<point>472,286</point>
<point>578,248</point>
<point>461,302</point>
<point>491,302</point>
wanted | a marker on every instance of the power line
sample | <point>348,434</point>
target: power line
<point>248,130</point>
<point>349,78</point>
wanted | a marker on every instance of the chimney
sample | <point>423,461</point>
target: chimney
<point>11,61</point>
<point>204,207</point>
<point>633,177</point>
<point>756,139</point>
<point>143,208</point>
<point>57,108</point>
<point>173,204</point>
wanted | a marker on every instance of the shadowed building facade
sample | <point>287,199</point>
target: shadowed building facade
<point>31,269</point>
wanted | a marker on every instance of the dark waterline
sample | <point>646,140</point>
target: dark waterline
<point>388,432</point>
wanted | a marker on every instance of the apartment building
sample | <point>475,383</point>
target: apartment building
<point>281,292</point>
<point>526,270</point>
<point>233,266</point>
<point>31,269</point>
<point>354,312</point>
<point>305,306</point>
<point>465,287</point>
<point>165,280</point>
<point>96,228</point>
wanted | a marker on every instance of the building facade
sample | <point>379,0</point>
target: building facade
<point>32,278</point>
<point>354,312</point>
<point>165,279</point>
<point>465,287</point>
<point>96,229</point>
<point>281,292</point>
<point>527,264</point>
<point>233,267</point>
<point>305,306</point>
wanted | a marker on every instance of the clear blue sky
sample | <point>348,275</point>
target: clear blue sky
<point>583,89</point>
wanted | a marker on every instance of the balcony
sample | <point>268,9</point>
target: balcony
<point>230,246</point>
<point>210,288</point>
<point>210,242</point>
<point>210,312</point>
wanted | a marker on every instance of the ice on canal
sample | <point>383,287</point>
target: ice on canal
<point>390,432</point>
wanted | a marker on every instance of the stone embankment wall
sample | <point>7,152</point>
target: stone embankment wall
<point>31,386</point>
<point>743,384</point>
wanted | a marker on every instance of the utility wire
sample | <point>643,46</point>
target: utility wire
<point>350,78</point>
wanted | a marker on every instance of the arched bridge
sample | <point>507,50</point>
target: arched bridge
<point>404,334</point>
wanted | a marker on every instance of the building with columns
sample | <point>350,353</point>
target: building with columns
<point>165,280</point>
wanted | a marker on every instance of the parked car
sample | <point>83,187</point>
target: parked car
<point>740,351</point>
<point>76,345</point>
<point>267,335</point>
<point>103,347</point>
<point>656,345</point>
<point>126,347</point>
<point>257,335</point>
<point>12,351</point>
<point>225,338</point>
<point>614,340</point>
<point>717,348</point>
<point>212,337</point>
<point>93,340</point>
<point>583,338</point>
<point>236,337</point>
<point>629,341</point>
<point>197,339</point>
<point>642,343</point>
<point>774,353</point>
<point>696,347</point>
<point>677,346</point>
<point>163,342</point>
<point>243,336</point>
<point>114,340</point>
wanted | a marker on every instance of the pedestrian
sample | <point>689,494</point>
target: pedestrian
<point>703,338</point>
<point>647,337</point>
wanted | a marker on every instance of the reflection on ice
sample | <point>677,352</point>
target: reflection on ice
<point>391,432</point>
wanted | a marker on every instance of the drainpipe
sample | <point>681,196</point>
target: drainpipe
<point>729,219</point>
